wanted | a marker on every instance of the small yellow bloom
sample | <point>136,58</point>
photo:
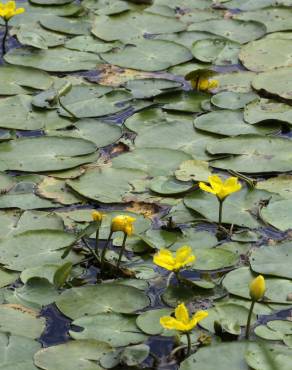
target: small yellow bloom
<point>96,216</point>
<point>182,320</point>
<point>203,84</point>
<point>123,223</point>
<point>174,262</point>
<point>257,288</point>
<point>219,188</point>
<point>9,10</point>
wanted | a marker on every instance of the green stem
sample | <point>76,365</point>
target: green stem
<point>247,330</point>
<point>177,275</point>
<point>4,38</point>
<point>122,251</point>
<point>97,240</point>
<point>189,347</point>
<point>220,213</point>
<point>104,251</point>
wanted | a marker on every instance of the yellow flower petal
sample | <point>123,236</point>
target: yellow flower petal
<point>183,253</point>
<point>164,259</point>
<point>181,313</point>
<point>206,187</point>
<point>257,288</point>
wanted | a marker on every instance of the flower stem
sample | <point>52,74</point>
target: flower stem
<point>189,347</point>
<point>247,330</point>
<point>122,251</point>
<point>4,38</point>
<point>104,252</point>
<point>97,240</point>
<point>220,213</point>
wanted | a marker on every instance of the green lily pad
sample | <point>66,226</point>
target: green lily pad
<point>275,83</point>
<point>230,123</point>
<point>278,214</point>
<point>149,323</point>
<point>275,19</point>
<point>272,260</point>
<point>138,24</point>
<point>253,154</point>
<point>259,357</point>
<point>36,36</point>
<point>169,186</point>
<point>109,297</point>
<point>107,185</point>
<point>53,60</point>
<point>7,277</point>
<point>237,283</point>
<point>115,329</point>
<point>147,88</point>
<point>213,259</point>
<point>235,209</point>
<point>186,101</point>
<point>238,82</point>
<point>56,190</point>
<point>193,170</point>
<point>230,316</point>
<point>17,352</point>
<point>280,185</point>
<point>217,51</point>
<point>100,133</point>
<point>73,355</point>
<point>31,248</point>
<point>14,80</point>
<point>73,26</point>
<point>46,153</point>
<point>148,55</point>
<point>25,117</point>
<point>83,102</point>
<point>88,44</point>
<point>17,320</point>
<point>231,29</point>
<point>232,100</point>
<point>220,356</point>
<point>262,55</point>
<point>264,332</point>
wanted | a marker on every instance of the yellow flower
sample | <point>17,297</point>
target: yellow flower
<point>123,223</point>
<point>182,320</point>
<point>257,288</point>
<point>174,262</point>
<point>219,188</point>
<point>9,10</point>
<point>96,216</point>
<point>203,84</point>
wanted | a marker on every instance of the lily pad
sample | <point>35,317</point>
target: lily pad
<point>220,356</point>
<point>265,110</point>
<point>217,51</point>
<point>235,209</point>
<point>73,355</point>
<point>138,24</point>
<point>17,352</point>
<point>95,299</point>
<point>115,329</point>
<point>272,260</point>
<point>230,123</point>
<point>18,320</point>
<point>231,29</point>
<point>88,44</point>
<point>147,88</point>
<point>193,170</point>
<point>280,185</point>
<point>189,101</point>
<point>35,247</point>
<point>107,185</point>
<point>278,214</point>
<point>14,79</point>
<point>237,283</point>
<point>73,26</point>
<point>262,55</point>
<point>232,100</point>
<point>149,323</point>
<point>7,277</point>
<point>53,60</point>
<point>149,55</point>
<point>55,189</point>
<point>45,153</point>
<point>275,83</point>
<point>145,159</point>
<point>253,154</point>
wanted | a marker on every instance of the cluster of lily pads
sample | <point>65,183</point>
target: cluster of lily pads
<point>145,184</point>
